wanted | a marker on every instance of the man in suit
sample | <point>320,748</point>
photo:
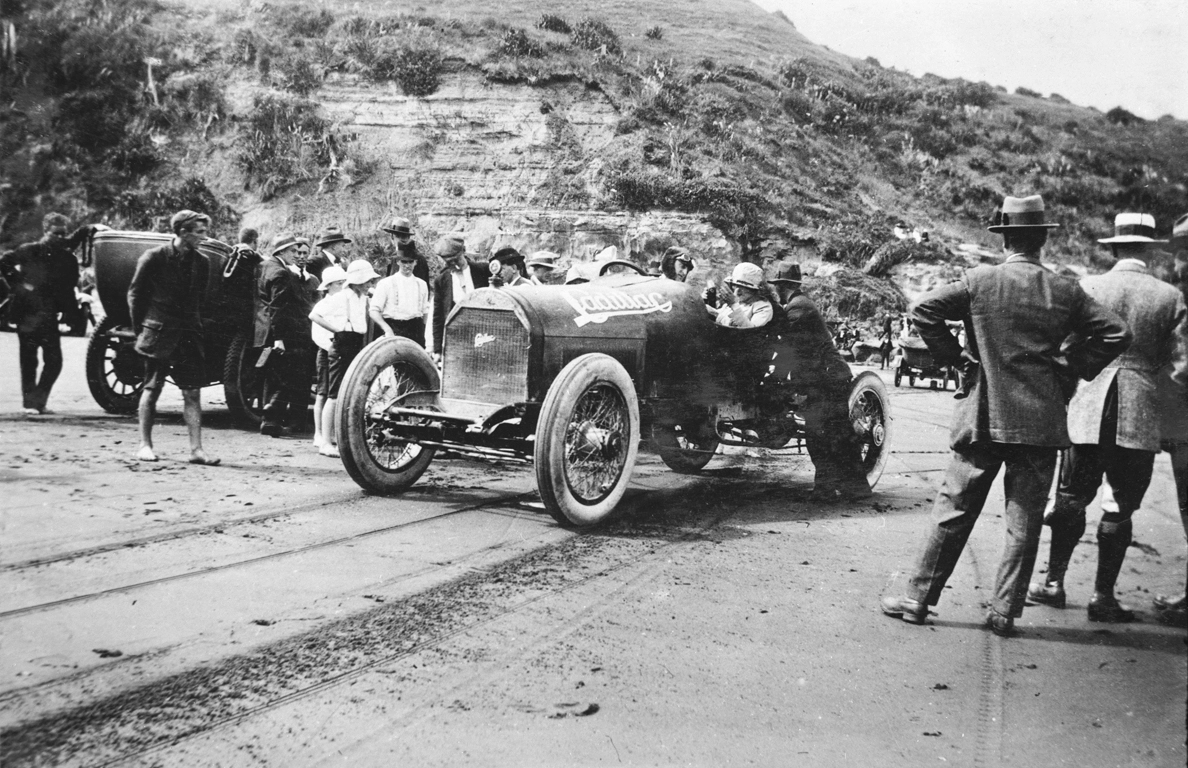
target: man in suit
<point>1018,369</point>
<point>460,276</point>
<point>324,257</point>
<point>165,302</point>
<point>1113,420</point>
<point>507,269</point>
<point>42,275</point>
<point>807,364</point>
<point>285,295</point>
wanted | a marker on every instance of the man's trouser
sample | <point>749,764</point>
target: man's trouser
<point>963,492</point>
<point>829,435</point>
<point>289,380</point>
<point>35,392</point>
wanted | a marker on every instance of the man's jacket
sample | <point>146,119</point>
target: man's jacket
<point>165,298</point>
<point>283,304</point>
<point>1157,317</point>
<point>42,277</point>
<point>443,296</point>
<point>1019,314</point>
<point>804,351</point>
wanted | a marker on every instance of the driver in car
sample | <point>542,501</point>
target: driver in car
<point>745,306</point>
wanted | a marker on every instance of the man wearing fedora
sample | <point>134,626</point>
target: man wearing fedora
<point>807,364</point>
<point>541,265</point>
<point>285,294</point>
<point>1114,420</point>
<point>1019,370</point>
<point>507,268</point>
<point>460,277</point>
<point>344,314</point>
<point>164,303</point>
<point>330,236</point>
<point>401,231</point>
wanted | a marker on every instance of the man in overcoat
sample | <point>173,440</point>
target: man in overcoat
<point>460,276</point>
<point>285,295</point>
<point>165,304</point>
<point>807,363</point>
<point>1113,420</point>
<point>1018,369</point>
<point>42,276</point>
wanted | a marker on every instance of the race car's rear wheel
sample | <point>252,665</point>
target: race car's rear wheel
<point>870,413</point>
<point>387,370</point>
<point>587,437</point>
<point>115,371</point>
<point>685,448</point>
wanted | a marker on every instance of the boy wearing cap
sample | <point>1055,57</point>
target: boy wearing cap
<point>344,315</point>
<point>333,280</point>
<point>164,303</point>
<point>1114,420</point>
<point>1017,368</point>
<point>460,277</point>
<point>400,304</point>
<point>42,275</point>
<point>745,306</point>
<point>285,294</point>
<point>325,257</point>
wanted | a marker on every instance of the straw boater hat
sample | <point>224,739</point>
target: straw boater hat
<point>787,272</point>
<point>331,275</point>
<point>399,226</point>
<point>746,275</point>
<point>1133,228</point>
<point>359,272</point>
<point>1020,213</point>
<point>330,236</point>
<point>546,259</point>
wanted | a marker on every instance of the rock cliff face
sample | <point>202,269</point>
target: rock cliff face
<point>498,162</point>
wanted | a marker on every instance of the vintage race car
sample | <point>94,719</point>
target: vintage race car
<point>571,378</point>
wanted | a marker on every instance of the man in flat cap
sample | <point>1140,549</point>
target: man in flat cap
<point>1030,335</point>
<point>461,276</point>
<point>165,304</point>
<point>285,295</point>
<point>324,257</point>
<point>42,276</point>
<point>401,231</point>
<point>1114,420</point>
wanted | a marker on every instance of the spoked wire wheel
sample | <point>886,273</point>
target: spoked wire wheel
<point>115,372</point>
<point>389,371</point>
<point>870,415</point>
<point>587,438</point>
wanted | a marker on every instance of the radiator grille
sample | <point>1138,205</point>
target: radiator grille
<point>486,357</point>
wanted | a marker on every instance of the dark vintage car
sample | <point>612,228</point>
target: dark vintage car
<point>570,378</point>
<point>115,372</point>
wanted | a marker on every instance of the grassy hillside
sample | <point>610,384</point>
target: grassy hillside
<point>723,111</point>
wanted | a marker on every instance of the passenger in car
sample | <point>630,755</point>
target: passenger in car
<point>807,364</point>
<point>745,306</point>
<point>676,264</point>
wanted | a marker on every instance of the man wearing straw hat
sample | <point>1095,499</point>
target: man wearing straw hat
<point>1018,370</point>
<point>1114,420</point>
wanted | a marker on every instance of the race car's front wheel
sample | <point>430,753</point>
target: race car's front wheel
<point>587,437</point>
<point>387,371</point>
<point>870,414</point>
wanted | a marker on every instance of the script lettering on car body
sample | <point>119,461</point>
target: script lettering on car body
<point>602,306</point>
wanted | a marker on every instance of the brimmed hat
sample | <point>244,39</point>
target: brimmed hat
<point>1133,228</point>
<point>331,235</point>
<point>786,272</point>
<point>450,246</point>
<point>399,226</point>
<point>1020,213</point>
<point>746,275</point>
<point>282,243</point>
<point>1180,228</point>
<point>331,275</point>
<point>507,255</point>
<point>546,259</point>
<point>360,271</point>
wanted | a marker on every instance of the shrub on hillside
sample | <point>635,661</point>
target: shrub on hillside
<point>303,22</point>
<point>1021,91</point>
<point>1120,116</point>
<point>283,141</point>
<point>553,23</point>
<point>654,33</point>
<point>594,35</point>
<point>416,69</point>
<point>139,209</point>
<point>297,72</point>
<point>516,42</point>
